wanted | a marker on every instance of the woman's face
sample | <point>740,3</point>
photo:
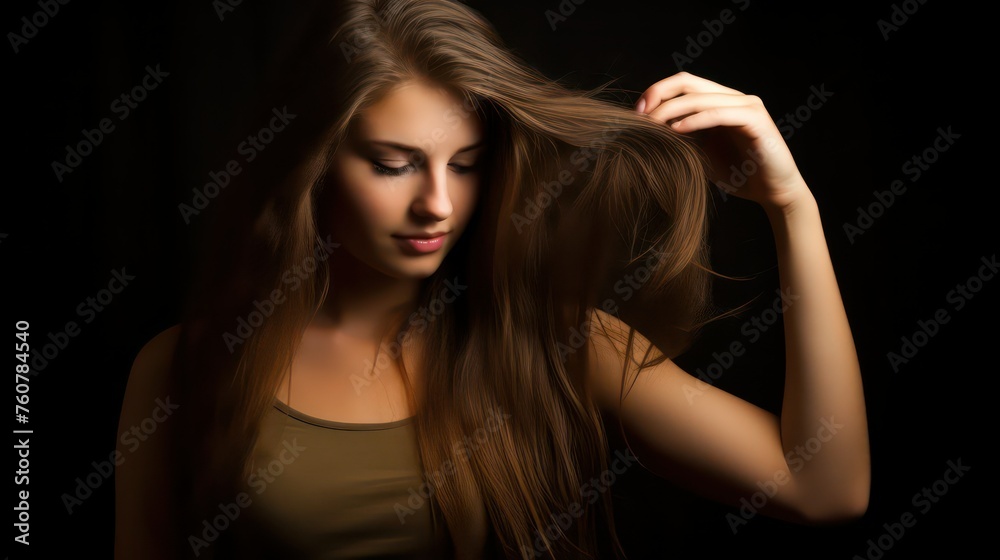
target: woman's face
<point>406,180</point>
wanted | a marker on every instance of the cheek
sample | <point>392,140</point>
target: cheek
<point>376,207</point>
<point>465,198</point>
<point>369,201</point>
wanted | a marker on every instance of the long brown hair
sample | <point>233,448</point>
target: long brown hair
<point>578,192</point>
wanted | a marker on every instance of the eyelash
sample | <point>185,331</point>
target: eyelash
<point>391,171</point>
<point>398,171</point>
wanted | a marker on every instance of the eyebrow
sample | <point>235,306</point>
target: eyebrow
<point>405,148</point>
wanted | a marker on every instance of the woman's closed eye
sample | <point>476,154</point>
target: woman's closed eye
<point>383,169</point>
<point>462,169</point>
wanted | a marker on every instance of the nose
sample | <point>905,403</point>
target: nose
<point>432,200</point>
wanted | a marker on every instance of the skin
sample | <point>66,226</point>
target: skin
<point>409,166</point>
<point>716,442</point>
<point>375,276</point>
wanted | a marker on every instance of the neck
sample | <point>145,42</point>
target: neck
<point>362,301</point>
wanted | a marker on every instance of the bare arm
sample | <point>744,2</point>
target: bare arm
<point>141,483</point>
<point>822,374</point>
<point>813,462</point>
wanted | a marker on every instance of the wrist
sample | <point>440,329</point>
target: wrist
<point>803,200</point>
<point>794,219</point>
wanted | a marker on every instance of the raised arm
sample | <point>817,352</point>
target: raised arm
<point>812,463</point>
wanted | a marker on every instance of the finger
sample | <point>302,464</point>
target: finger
<point>745,117</point>
<point>679,107</point>
<point>679,84</point>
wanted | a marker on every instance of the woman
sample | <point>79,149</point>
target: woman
<point>414,322</point>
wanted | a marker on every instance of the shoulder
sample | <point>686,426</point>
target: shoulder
<point>140,475</point>
<point>615,351</point>
<point>158,349</point>
<point>149,375</point>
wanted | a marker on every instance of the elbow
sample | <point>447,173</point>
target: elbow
<point>839,495</point>
<point>851,508</point>
<point>849,505</point>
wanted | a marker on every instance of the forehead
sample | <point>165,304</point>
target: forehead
<point>422,115</point>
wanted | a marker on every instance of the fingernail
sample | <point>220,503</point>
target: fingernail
<point>641,106</point>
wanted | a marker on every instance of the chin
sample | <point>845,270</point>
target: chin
<point>420,269</point>
<point>404,267</point>
<point>401,265</point>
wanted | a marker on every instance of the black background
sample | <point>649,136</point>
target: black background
<point>119,209</point>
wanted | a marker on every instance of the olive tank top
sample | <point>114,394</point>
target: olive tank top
<point>322,489</point>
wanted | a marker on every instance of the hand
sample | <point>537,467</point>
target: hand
<point>747,155</point>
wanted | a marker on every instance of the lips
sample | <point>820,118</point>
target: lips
<point>421,243</point>
<point>422,235</point>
